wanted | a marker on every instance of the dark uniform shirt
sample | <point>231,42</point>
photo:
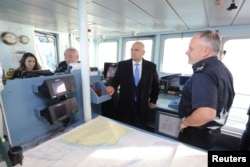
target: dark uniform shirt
<point>62,67</point>
<point>211,85</point>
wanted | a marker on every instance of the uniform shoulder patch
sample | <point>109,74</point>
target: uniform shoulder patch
<point>200,68</point>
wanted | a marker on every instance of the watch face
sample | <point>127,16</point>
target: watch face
<point>9,38</point>
<point>24,39</point>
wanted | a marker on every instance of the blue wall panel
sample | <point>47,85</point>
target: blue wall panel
<point>21,103</point>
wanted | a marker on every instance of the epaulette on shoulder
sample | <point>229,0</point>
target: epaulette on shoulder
<point>200,68</point>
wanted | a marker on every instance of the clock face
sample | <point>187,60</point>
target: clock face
<point>9,38</point>
<point>24,39</point>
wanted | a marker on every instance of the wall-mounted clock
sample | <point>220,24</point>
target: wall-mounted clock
<point>9,38</point>
<point>24,39</point>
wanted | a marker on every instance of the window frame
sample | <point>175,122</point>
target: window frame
<point>229,129</point>
<point>101,67</point>
<point>52,36</point>
<point>232,130</point>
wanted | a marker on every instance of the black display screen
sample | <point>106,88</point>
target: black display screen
<point>109,70</point>
<point>60,112</point>
<point>58,87</point>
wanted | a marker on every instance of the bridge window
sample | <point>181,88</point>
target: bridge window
<point>148,45</point>
<point>91,50</point>
<point>175,59</point>
<point>107,52</point>
<point>45,47</point>
<point>237,60</point>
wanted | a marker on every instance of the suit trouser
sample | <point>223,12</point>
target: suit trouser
<point>137,119</point>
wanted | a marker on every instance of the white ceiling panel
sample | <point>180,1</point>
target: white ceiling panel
<point>218,15</point>
<point>124,9</point>
<point>190,11</point>
<point>38,15</point>
<point>102,15</point>
<point>161,12</point>
<point>125,17</point>
<point>243,17</point>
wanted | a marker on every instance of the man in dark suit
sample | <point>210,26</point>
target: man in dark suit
<point>135,99</point>
<point>71,56</point>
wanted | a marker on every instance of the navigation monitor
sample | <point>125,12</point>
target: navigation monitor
<point>173,83</point>
<point>109,70</point>
<point>60,111</point>
<point>183,80</point>
<point>57,87</point>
